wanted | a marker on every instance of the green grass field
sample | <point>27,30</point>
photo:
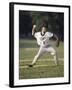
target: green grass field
<point>44,67</point>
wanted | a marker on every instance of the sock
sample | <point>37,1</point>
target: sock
<point>35,59</point>
<point>56,59</point>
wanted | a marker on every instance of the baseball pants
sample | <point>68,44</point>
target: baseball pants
<point>44,49</point>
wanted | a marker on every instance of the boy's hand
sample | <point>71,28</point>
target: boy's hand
<point>34,26</point>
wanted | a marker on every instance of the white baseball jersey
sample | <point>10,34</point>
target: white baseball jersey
<point>43,40</point>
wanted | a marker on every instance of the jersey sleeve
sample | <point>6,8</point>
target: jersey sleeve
<point>50,34</point>
<point>36,34</point>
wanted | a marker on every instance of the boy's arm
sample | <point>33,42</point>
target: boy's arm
<point>57,40</point>
<point>33,30</point>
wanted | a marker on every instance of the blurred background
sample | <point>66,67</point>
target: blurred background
<point>54,20</point>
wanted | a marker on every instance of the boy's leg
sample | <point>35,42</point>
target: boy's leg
<point>55,57</point>
<point>39,54</point>
<point>53,53</point>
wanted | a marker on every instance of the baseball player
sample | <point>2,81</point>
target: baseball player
<point>43,39</point>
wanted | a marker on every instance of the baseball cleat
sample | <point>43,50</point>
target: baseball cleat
<point>30,65</point>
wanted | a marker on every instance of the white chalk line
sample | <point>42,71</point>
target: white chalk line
<point>35,66</point>
<point>61,59</point>
<point>26,66</point>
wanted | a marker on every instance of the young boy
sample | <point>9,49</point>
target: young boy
<point>43,38</point>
